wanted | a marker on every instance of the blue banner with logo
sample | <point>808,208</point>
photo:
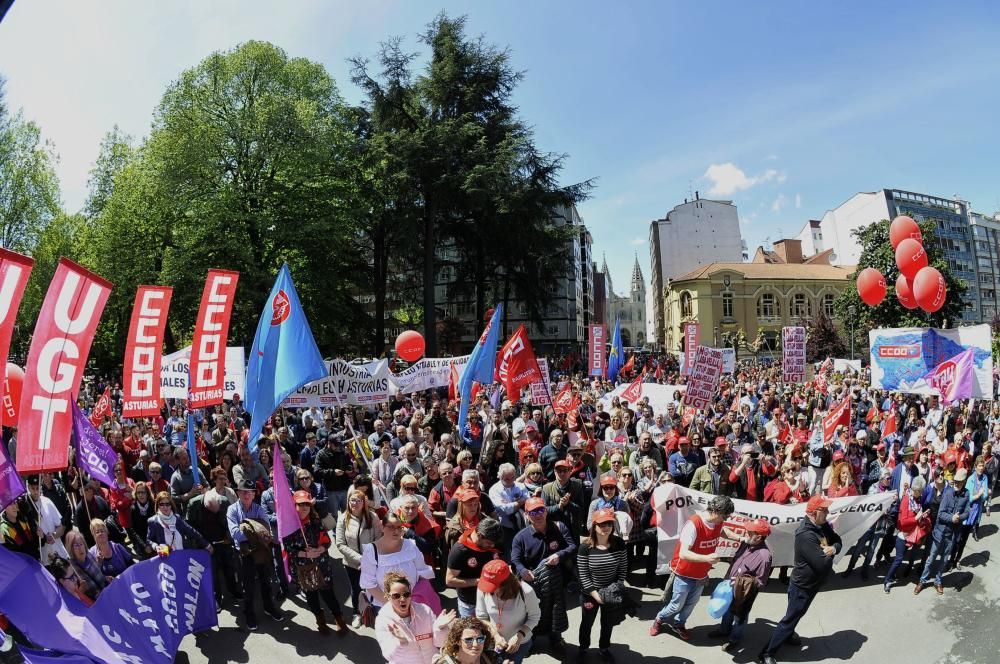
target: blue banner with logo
<point>901,358</point>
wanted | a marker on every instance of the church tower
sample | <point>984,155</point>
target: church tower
<point>638,285</point>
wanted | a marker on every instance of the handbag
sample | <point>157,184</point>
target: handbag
<point>309,576</point>
<point>366,611</point>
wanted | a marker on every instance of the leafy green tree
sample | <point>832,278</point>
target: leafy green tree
<point>29,188</point>
<point>823,339</point>
<point>877,252</point>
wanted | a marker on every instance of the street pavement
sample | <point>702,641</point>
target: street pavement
<point>850,619</point>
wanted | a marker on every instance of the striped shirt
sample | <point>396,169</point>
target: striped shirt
<point>599,568</point>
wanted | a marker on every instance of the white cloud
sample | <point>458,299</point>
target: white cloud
<point>637,240</point>
<point>798,200</point>
<point>728,178</point>
<point>779,203</point>
<point>747,219</point>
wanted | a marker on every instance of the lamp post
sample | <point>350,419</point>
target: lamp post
<point>853,311</point>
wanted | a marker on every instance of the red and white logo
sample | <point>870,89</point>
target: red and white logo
<point>280,308</point>
<point>944,377</point>
<point>907,351</point>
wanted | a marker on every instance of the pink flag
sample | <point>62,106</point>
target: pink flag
<point>284,507</point>
<point>954,378</point>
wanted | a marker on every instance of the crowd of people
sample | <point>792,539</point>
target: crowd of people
<point>524,511</point>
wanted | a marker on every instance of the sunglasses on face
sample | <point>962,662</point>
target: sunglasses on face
<point>474,641</point>
<point>403,595</point>
<point>537,512</point>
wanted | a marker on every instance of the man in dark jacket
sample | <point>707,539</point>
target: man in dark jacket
<point>206,513</point>
<point>816,544</point>
<point>565,500</point>
<point>952,513</point>
<point>334,468</point>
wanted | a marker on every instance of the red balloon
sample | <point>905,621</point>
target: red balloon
<point>903,227</point>
<point>410,345</point>
<point>910,257</point>
<point>871,286</point>
<point>929,289</point>
<point>10,409</point>
<point>904,292</point>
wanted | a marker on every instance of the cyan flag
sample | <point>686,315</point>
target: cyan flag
<point>482,364</point>
<point>616,357</point>
<point>284,356</point>
<point>193,449</point>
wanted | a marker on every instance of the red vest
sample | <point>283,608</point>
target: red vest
<point>706,540</point>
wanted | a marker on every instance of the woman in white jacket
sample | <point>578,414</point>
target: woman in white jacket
<point>509,607</point>
<point>406,631</point>
<point>357,526</point>
<point>391,553</point>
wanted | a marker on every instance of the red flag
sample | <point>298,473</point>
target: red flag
<point>566,401</point>
<point>889,425</point>
<point>211,332</point>
<point>453,383</point>
<point>826,366</point>
<point>821,383</point>
<point>687,416</point>
<point>735,406</point>
<point>633,392</point>
<point>102,408</point>
<point>14,272</point>
<point>144,352</point>
<point>516,363</point>
<point>630,365</point>
<point>839,414</point>
<point>659,372</point>
<point>63,334</point>
<point>784,433</point>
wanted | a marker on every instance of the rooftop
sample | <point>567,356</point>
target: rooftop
<point>773,271</point>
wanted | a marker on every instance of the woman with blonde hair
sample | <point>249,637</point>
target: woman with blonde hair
<point>510,609</point>
<point>112,557</point>
<point>406,631</point>
<point>357,526</point>
<point>841,481</point>
<point>91,581</point>
<point>533,479</point>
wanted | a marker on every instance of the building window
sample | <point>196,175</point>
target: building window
<point>727,305</point>
<point>685,304</point>
<point>828,301</point>
<point>801,306</point>
<point>767,306</point>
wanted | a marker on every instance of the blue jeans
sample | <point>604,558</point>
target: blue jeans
<point>687,592</point>
<point>897,561</point>
<point>518,656</point>
<point>939,548</point>
<point>465,609</point>
<point>733,626</point>
<point>336,501</point>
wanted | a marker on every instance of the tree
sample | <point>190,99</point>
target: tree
<point>116,151</point>
<point>823,339</point>
<point>877,252</point>
<point>29,188</point>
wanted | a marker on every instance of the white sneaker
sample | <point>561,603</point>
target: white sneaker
<point>355,621</point>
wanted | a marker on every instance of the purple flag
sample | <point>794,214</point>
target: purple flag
<point>11,484</point>
<point>142,616</point>
<point>955,377</point>
<point>93,454</point>
<point>284,507</point>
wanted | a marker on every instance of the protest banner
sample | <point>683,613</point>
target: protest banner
<point>174,374</point>
<point>566,401</point>
<point>793,348</point>
<point>706,370</point>
<point>11,484</point>
<point>851,517</point>
<point>211,332</point>
<point>901,358</point>
<point>596,346</point>
<point>838,415</point>
<point>140,618</point>
<point>728,360</point>
<point>427,373</point>
<point>540,395</point>
<point>144,352</point>
<point>63,334</point>
<point>14,272</point>
<point>516,363</point>
<point>102,408</point>
<point>347,383</point>
<point>692,332</point>
<point>846,366</point>
<point>954,377</point>
<point>658,396</point>
<point>93,453</point>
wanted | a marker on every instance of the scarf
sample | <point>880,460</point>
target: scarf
<point>171,536</point>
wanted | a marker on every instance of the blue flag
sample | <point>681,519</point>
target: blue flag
<point>482,364</point>
<point>192,448</point>
<point>284,356</point>
<point>616,357</point>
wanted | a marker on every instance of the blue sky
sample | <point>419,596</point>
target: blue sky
<point>787,108</point>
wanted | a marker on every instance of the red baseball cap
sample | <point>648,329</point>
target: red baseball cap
<point>302,496</point>
<point>838,455</point>
<point>533,504</point>
<point>817,502</point>
<point>494,573</point>
<point>720,441</point>
<point>759,526</point>
<point>603,515</point>
<point>609,480</point>
<point>563,463</point>
<point>464,493</point>
<point>683,440</point>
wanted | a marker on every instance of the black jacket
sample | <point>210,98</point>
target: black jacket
<point>812,566</point>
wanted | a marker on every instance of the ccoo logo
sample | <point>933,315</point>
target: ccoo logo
<point>280,308</point>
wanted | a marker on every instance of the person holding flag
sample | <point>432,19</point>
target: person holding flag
<point>283,357</point>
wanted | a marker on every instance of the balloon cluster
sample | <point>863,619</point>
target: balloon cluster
<point>918,284</point>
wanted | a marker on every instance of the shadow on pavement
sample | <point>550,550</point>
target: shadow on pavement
<point>841,645</point>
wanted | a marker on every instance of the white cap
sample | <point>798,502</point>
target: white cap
<point>862,435</point>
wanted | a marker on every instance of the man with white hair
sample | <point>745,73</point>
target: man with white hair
<point>207,514</point>
<point>470,480</point>
<point>508,499</point>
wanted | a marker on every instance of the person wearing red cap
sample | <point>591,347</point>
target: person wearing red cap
<point>474,549</point>
<point>749,572</point>
<point>565,498</point>
<point>536,554</point>
<point>816,544</point>
<point>603,564</point>
<point>307,550</point>
<point>509,607</point>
